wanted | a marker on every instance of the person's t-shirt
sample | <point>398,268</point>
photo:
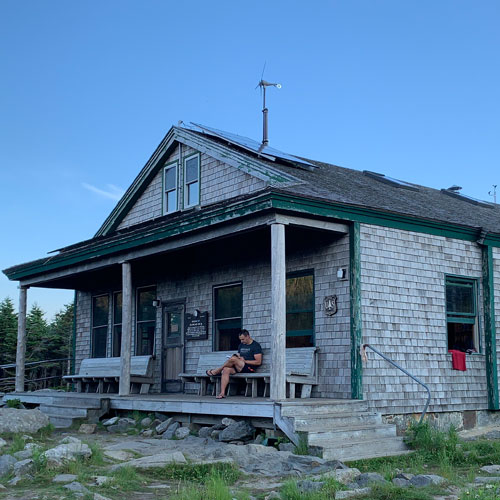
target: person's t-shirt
<point>248,351</point>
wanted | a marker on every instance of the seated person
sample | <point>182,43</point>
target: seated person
<point>246,360</point>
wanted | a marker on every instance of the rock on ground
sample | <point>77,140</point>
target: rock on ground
<point>6,464</point>
<point>67,452</point>
<point>15,420</point>
<point>158,460</point>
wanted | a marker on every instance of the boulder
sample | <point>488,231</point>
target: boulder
<point>23,454</point>
<point>286,447</point>
<point>368,477</point>
<point>487,479</point>
<point>238,430</point>
<point>490,469</point>
<point>2,443</point>
<point>226,422</point>
<point>154,461</point>
<point>77,489</point>
<point>87,428</point>
<point>422,480</point>
<point>100,480</point>
<point>344,476</point>
<point>401,482</point>
<point>182,432</point>
<point>67,452</point>
<point>147,433</point>
<point>70,439</point>
<point>14,420</point>
<point>111,421</point>
<point>64,478</point>
<point>161,428</point>
<point>205,432</point>
<point>146,422</point>
<point>170,432</point>
<point>23,467</point>
<point>121,455</point>
<point>340,495</point>
<point>6,464</point>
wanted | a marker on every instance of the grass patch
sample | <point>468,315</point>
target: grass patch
<point>303,447</point>
<point>291,491</point>
<point>125,478</point>
<point>197,473</point>
<point>214,488</point>
<point>391,492</point>
<point>14,403</point>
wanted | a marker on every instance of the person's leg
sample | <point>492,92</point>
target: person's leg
<point>236,363</point>
<point>226,372</point>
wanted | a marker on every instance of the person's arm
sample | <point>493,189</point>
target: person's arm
<point>257,361</point>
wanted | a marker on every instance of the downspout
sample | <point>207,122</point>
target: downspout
<point>489,321</point>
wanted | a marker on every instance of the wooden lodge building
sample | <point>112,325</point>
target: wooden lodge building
<point>218,233</point>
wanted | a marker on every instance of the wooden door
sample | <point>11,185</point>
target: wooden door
<point>173,347</point>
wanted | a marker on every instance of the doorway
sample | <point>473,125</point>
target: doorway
<point>172,346</point>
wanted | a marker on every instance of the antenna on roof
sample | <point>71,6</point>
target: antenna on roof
<point>263,84</point>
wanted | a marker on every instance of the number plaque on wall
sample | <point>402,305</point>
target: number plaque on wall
<point>196,326</point>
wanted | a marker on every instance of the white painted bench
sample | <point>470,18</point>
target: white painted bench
<point>301,372</point>
<point>104,374</point>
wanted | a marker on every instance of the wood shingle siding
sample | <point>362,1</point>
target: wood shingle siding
<point>404,316</point>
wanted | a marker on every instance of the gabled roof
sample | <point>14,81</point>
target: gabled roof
<point>325,190</point>
<point>247,163</point>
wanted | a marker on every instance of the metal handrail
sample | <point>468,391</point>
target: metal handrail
<point>364,346</point>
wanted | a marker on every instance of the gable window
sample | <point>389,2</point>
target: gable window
<point>192,181</point>
<point>146,321</point>
<point>461,314</point>
<point>170,188</point>
<point>228,309</point>
<point>116,343</point>
<point>100,318</point>
<point>300,309</point>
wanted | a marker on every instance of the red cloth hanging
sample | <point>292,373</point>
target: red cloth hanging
<point>458,360</point>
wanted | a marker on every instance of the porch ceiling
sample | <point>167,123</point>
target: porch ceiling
<point>227,245</point>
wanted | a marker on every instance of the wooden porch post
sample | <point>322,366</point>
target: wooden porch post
<point>125,353</point>
<point>21,339</point>
<point>278,312</point>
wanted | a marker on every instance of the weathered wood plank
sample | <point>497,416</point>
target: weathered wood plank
<point>21,339</point>
<point>125,354</point>
<point>278,312</point>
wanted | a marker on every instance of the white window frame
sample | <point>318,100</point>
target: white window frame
<point>186,184</point>
<point>169,166</point>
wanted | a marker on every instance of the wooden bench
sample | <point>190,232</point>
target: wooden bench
<point>103,374</point>
<point>301,372</point>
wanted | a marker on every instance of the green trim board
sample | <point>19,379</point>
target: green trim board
<point>225,212</point>
<point>355,303</point>
<point>490,328</point>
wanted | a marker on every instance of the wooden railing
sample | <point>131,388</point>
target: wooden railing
<point>38,374</point>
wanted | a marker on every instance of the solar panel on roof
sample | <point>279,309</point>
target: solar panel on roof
<point>253,146</point>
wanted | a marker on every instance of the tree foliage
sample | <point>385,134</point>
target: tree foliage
<point>44,340</point>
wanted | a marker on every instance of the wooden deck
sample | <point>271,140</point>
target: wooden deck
<point>191,404</point>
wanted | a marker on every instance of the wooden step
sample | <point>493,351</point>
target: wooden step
<point>64,411</point>
<point>60,422</point>
<point>312,409</point>
<point>333,421</point>
<point>363,449</point>
<point>342,435</point>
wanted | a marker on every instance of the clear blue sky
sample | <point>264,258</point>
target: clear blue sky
<point>89,88</point>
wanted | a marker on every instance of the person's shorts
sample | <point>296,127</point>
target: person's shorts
<point>247,369</point>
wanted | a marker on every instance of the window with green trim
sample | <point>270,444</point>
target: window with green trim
<point>100,319</point>
<point>170,188</point>
<point>228,312</point>
<point>300,309</point>
<point>145,321</point>
<point>461,314</point>
<point>116,343</point>
<point>192,181</point>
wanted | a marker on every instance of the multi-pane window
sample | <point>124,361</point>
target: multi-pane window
<point>228,309</point>
<point>100,318</point>
<point>300,309</point>
<point>146,321</point>
<point>461,314</point>
<point>192,181</point>
<point>170,188</point>
<point>117,324</point>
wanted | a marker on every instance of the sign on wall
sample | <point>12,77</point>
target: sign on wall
<point>196,326</point>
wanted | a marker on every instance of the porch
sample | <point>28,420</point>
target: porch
<point>343,429</point>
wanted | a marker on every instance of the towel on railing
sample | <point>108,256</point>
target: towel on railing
<point>458,360</point>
